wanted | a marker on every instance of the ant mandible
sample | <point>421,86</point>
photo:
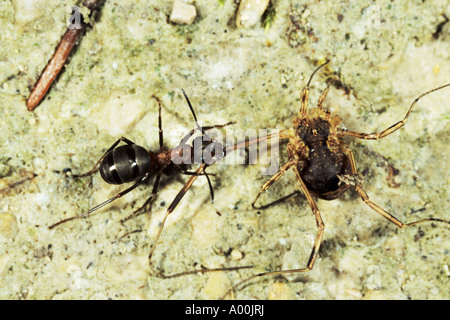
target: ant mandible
<point>324,165</point>
<point>133,163</point>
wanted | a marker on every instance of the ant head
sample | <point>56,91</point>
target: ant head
<point>182,154</point>
<point>206,150</point>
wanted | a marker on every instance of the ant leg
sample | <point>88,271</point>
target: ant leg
<point>273,179</point>
<point>170,209</point>
<point>190,173</point>
<point>95,168</point>
<point>149,201</point>
<point>391,129</point>
<point>317,241</point>
<point>376,207</point>
<point>211,191</point>
<point>120,194</point>
<point>173,205</point>
<point>161,139</point>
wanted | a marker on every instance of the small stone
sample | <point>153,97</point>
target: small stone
<point>250,12</point>
<point>183,13</point>
<point>236,255</point>
<point>8,225</point>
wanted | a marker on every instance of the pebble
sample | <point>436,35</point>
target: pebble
<point>236,255</point>
<point>183,13</point>
<point>8,225</point>
<point>250,12</point>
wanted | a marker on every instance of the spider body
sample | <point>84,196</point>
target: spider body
<point>322,160</point>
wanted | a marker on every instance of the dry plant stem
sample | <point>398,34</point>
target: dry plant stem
<point>53,68</point>
<point>57,62</point>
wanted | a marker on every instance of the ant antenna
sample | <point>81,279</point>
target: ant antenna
<point>192,109</point>
<point>195,117</point>
<point>211,190</point>
<point>204,133</point>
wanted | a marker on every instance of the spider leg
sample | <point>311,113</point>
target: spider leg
<point>376,207</point>
<point>304,95</point>
<point>274,179</point>
<point>391,129</point>
<point>322,98</point>
<point>282,134</point>
<point>316,245</point>
<point>265,206</point>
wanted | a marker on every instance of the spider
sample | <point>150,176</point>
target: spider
<point>324,165</point>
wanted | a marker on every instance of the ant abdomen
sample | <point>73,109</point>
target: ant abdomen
<point>125,164</point>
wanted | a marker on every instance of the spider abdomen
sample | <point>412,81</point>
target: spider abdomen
<point>321,170</point>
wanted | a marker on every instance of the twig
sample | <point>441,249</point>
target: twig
<point>58,60</point>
